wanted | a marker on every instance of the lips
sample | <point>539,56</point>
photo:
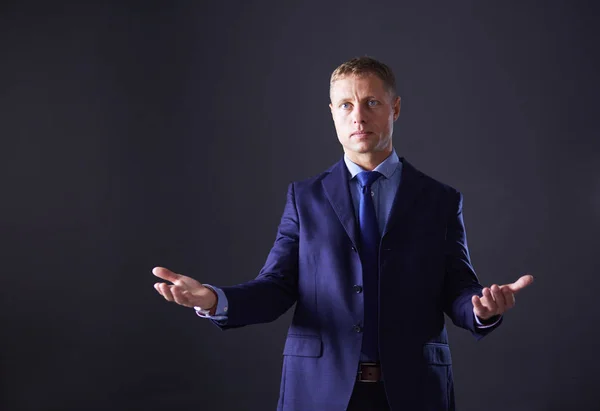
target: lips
<point>362,133</point>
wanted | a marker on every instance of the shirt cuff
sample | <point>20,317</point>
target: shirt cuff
<point>482,326</point>
<point>222,306</point>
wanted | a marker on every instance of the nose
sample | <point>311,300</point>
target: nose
<point>359,115</point>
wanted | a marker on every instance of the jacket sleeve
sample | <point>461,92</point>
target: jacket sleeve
<point>275,289</point>
<point>460,283</point>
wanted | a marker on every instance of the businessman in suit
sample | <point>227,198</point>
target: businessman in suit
<point>373,252</point>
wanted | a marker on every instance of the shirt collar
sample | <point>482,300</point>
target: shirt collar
<point>387,166</point>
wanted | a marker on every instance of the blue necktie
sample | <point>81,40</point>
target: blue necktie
<point>369,252</point>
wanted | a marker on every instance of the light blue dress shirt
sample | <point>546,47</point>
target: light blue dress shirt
<point>383,189</point>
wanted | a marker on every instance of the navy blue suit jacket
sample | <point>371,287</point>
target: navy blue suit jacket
<point>425,271</point>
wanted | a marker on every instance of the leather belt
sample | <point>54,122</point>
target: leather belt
<point>369,372</point>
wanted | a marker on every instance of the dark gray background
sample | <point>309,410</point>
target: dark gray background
<point>139,134</point>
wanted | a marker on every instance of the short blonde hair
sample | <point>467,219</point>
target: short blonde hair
<point>362,66</point>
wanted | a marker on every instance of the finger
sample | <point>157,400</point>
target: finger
<point>486,295</point>
<point>165,290</point>
<point>476,300</point>
<point>478,308</point>
<point>509,297</point>
<point>521,283</point>
<point>165,274</point>
<point>498,298</point>
<point>158,287</point>
<point>488,300</point>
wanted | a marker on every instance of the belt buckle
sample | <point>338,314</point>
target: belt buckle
<point>362,373</point>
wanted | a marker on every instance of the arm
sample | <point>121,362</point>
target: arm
<point>461,282</point>
<point>274,291</point>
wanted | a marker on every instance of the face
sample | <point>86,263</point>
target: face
<point>363,112</point>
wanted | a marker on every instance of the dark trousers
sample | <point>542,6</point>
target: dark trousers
<point>368,396</point>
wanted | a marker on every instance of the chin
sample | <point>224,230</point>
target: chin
<point>363,148</point>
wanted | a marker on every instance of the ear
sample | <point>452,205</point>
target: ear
<point>331,108</point>
<point>397,105</point>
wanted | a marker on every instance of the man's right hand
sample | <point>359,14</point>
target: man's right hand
<point>185,290</point>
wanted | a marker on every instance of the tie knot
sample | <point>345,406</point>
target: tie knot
<point>366,178</point>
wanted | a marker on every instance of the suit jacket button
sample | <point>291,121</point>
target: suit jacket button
<point>357,289</point>
<point>357,328</point>
<point>353,248</point>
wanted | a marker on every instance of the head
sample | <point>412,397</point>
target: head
<point>364,106</point>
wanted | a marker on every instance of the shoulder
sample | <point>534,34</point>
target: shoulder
<point>426,181</point>
<point>315,182</point>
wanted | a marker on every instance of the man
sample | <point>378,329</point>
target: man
<point>373,252</point>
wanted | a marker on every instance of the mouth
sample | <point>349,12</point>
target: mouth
<point>360,134</point>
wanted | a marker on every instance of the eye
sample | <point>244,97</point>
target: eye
<point>372,103</point>
<point>345,106</point>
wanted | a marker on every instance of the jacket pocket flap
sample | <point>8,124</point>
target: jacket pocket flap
<point>438,354</point>
<point>303,346</point>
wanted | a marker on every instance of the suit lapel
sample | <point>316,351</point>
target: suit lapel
<point>338,193</point>
<point>405,196</point>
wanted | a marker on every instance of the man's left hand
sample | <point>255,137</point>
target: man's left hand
<point>496,300</point>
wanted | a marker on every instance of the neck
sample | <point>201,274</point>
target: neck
<point>369,161</point>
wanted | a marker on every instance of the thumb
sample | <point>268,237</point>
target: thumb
<point>521,283</point>
<point>165,274</point>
